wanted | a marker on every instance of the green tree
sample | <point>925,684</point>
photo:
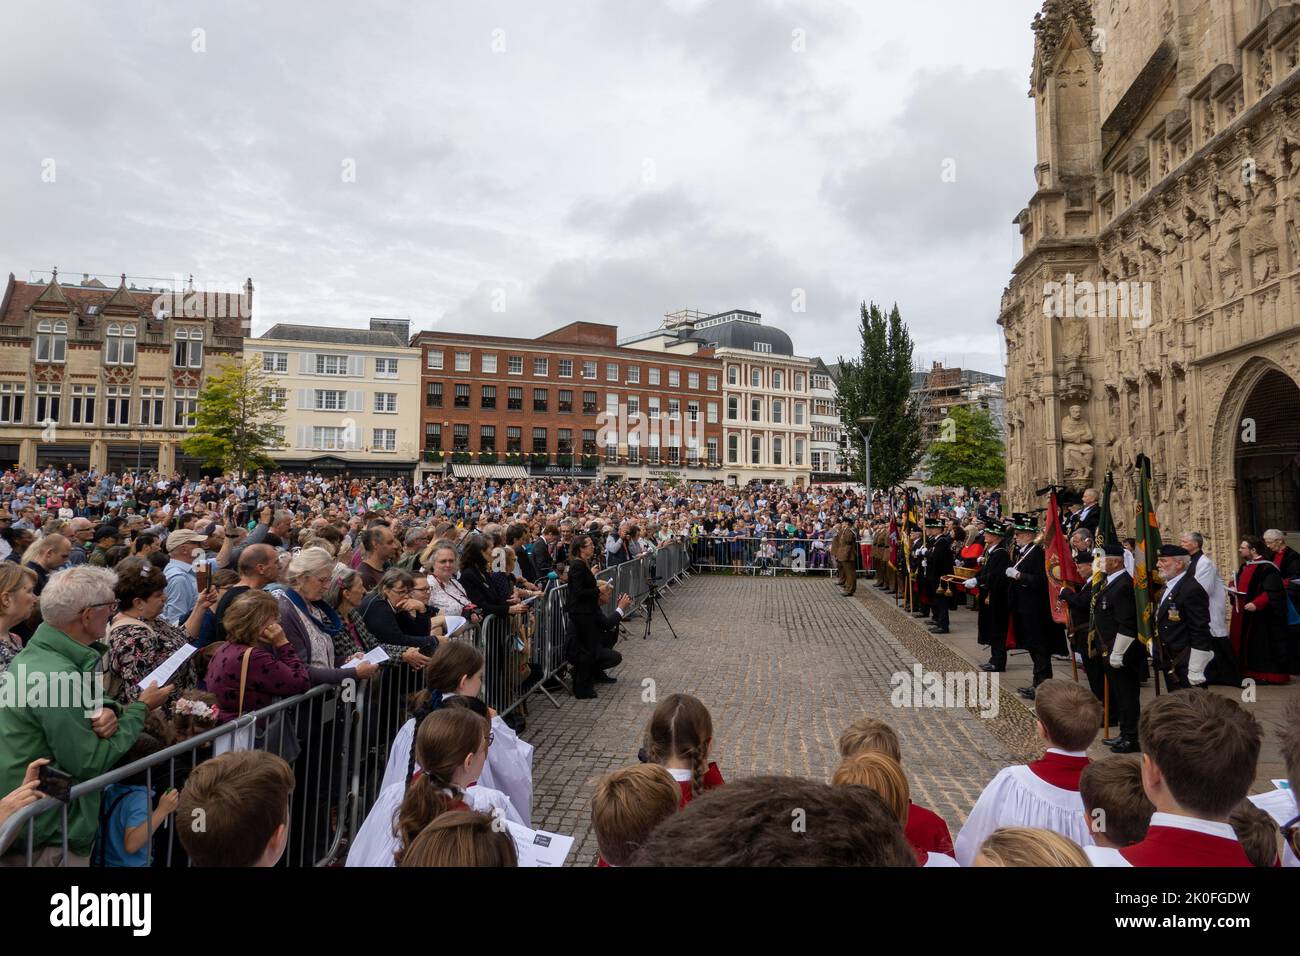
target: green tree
<point>879,383</point>
<point>968,451</point>
<point>237,419</point>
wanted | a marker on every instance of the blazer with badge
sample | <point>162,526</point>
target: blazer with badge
<point>1115,610</point>
<point>1183,616</point>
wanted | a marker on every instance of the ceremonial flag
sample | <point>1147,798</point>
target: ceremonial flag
<point>893,541</point>
<point>1060,563</point>
<point>1145,578</point>
<point>1106,534</point>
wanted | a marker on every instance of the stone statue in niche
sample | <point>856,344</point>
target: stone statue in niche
<point>1074,338</point>
<point>1077,447</point>
<point>1225,243</point>
<point>1199,235</point>
<point>1258,238</point>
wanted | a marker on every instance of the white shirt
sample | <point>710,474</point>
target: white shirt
<point>1108,856</point>
<point>1169,588</point>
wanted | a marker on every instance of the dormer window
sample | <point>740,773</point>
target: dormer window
<point>119,344</point>
<point>51,341</point>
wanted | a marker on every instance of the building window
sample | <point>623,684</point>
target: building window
<point>816,461</point>
<point>331,365</point>
<point>633,449</point>
<point>755,410</point>
<point>487,438</point>
<point>798,413</point>
<point>693,381</point>
<point>566,368</point>
<point>653,408</point>
<point>277,435</point>
<point>541,367</point>
<point>652,454</point>
<point>755,378</point>
<point>654,376</point>
<point>185,406</point>
<point>83,405</point>
<point>692,411</point>
<point>189,349</point>
<point>459,438</point>
<point>798,381</point>
<point>589,403</point>
<point>733,411</point>
<point>611,405</point>
<point>776,451</point>
<point>713,413</point>
<point>47,404</point>
<point>777,412</point>
<point>611,449</point>
<point>117,406</point>
<point>634,374</point>
<point>386,402</point>
<point>489,364</point>
<point>515,365</point>
<point>633,406</point>
<point>435,360</point>
<point>328,400</point>
<point>515,399</point>
<point>755,450</point>
<point>514,439</point>
<point>733,375</point>
<point>733,449</point>
<point>487,396</point>
<point>462,361</point>
<point>818,381</point>
<point>713,383</point>
<point>275,362</point>
<point>329,438</point>
<point>674,455</point>
<point>566,401</point>
<point>541,399</point>
<point>433,395</point>
<point>432,436</point>
<point>151,405</point>
<point>462,396</point>
<point>564,443</point>
<point>119,345</point>
<point>798,451</point>
<point>51,341</point>
<point>611,372</point>
<point>385,368</point>
<point>674,378</point>
<point>713,451</point>
<point>588,369</point>
<point>674,410</point>
<point>278,397</point>
<point>588,441</point>
<point>384,439</point>
<point>539,441</point>
<point>777,379</point>
<point>762,346</point>
<point>693,453</point>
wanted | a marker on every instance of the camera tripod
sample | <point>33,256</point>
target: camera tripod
<point>651,602</point>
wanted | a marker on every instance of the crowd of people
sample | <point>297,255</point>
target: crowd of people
<point>261,589</point>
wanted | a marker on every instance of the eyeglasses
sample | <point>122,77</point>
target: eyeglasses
<point>113,604</point>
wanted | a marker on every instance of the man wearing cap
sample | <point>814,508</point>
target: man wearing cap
<point>938,562</point>
<point>1182,619</point>
<point>843,549</point>
<point>993,584</point>
<point>182,584</point>
<point>1030,609</point>
<point>103,538</point>
<point>1080,603</point>
<point>1115,617</point>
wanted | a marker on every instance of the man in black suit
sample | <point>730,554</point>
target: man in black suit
<point>1089,515</point>
<point>1030,609</point>
<point>1115,617</point>
<point>1182,620</point>
<point>938,562</point>
<point>993,585</point>
<point>1080,602</point>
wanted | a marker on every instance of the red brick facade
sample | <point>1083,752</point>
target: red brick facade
<point>552,396</point>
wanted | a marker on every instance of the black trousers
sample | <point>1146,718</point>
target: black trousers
<point>940,608</point>
<point>588,651</point>
<point>1125,682</point>
<point>1029,636</point>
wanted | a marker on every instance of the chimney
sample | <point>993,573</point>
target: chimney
<point>246,312</point>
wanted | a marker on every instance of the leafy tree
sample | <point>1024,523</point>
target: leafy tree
<point>236,420</point>
<point>968,451</point>
<point>879,383</point>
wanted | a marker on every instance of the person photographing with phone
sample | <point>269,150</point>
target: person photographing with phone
<point>76,606</point>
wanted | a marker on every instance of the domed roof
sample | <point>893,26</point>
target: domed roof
<point>743,335</point>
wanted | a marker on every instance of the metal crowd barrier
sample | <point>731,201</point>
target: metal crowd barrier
<point>762,555</point>
<point>342,734</point>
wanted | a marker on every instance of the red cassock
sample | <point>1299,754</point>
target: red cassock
<point>926,831</point>
<point>712,778</point>
<point>1174,846</point>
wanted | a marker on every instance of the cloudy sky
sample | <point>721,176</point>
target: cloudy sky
<point>512,166</point>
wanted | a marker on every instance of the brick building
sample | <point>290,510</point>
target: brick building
<point>106,377</point>
<point>568,402</point>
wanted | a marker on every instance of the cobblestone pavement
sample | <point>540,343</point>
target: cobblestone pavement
<point>784,665</point>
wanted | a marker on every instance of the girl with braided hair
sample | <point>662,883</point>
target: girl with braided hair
<point>679,737</point>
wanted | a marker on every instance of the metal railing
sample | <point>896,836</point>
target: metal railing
<point>715,553</point>
<point>337,737</point>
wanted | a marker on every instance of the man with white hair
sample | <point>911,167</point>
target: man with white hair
<point>1284,556</point>
<point>1207,576</point>
<point>74,726</point>
<point>1182,619</point>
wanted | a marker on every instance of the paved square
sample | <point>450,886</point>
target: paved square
<point>784,665</point>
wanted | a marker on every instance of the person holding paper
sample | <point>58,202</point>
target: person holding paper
<point>346,592</point>
<point>139,639</point>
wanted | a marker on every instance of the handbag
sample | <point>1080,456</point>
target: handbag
<point>278,737</point>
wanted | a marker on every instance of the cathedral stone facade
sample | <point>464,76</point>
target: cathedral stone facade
<point>1156,308</point>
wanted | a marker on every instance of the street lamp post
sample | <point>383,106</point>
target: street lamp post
<point>868,424</point>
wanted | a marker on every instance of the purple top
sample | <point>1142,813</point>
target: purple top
<point>272,673</point>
